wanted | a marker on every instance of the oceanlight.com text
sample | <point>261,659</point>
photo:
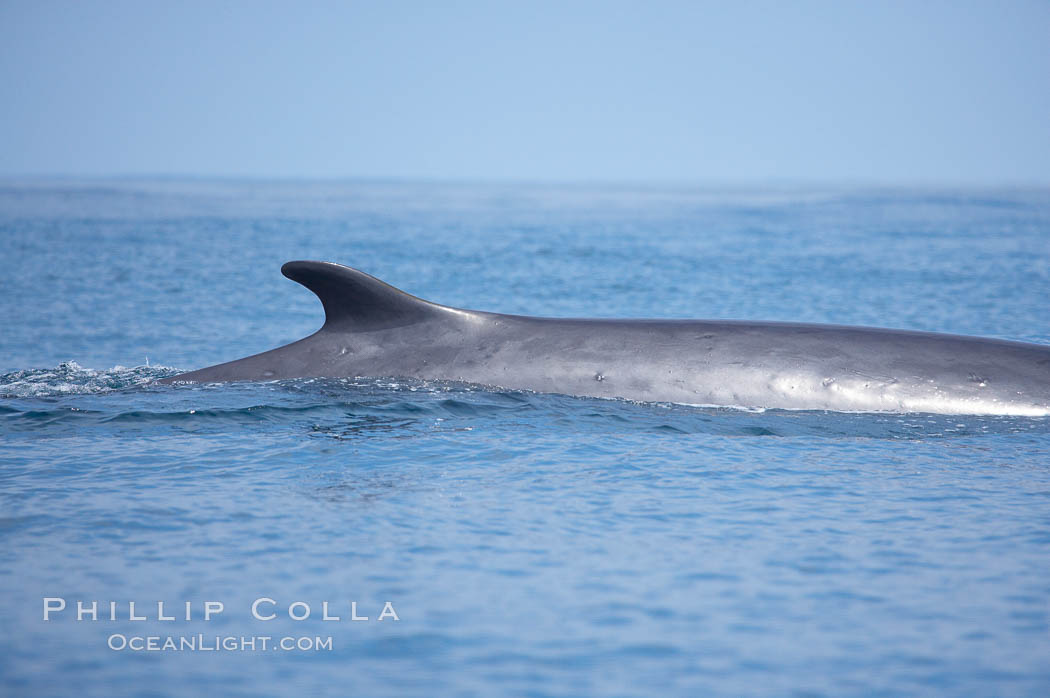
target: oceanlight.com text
<point>119,642</point>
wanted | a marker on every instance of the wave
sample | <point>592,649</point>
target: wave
<point>70,378</point>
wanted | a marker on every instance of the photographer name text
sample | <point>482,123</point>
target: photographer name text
<point>263,608</point>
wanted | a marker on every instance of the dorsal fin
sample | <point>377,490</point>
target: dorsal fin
<point>353,300</point>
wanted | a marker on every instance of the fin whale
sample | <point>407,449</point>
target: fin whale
<point>372,329</point>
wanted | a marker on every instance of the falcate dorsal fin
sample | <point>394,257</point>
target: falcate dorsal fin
<point>353,300</point>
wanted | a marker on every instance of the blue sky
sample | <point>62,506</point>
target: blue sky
<point>910,92</point>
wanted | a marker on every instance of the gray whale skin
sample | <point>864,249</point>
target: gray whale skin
<point>373,329</point>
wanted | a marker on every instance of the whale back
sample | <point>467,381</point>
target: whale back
<point>372,329</point>
<point>357,302</point>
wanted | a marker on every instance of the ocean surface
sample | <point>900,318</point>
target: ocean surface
<point>528,544</point>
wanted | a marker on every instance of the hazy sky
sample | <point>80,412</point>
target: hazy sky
<point>918,91</point>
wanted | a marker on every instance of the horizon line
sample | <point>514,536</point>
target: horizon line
<point>611,182</point>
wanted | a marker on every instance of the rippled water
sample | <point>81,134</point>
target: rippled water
<point>530,544</point>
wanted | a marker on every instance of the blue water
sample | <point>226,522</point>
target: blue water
<point>529,544</point>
